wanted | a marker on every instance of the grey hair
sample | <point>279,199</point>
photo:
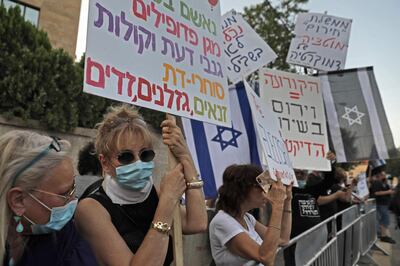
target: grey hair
<point>17,149</point>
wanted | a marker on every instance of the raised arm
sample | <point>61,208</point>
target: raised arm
<point>194,216</point>
<point>287,217</point>
<point>265,253</point>
<point>95,224</point>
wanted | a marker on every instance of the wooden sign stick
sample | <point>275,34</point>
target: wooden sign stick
<point>177,223</point>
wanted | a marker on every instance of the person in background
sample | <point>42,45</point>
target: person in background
<point>37,203</point>
<point>395,204</point>
<point>236,238</point>
<point>341,185</point>
<point>306,213</point>
<point>127,220</point>
<point>381,191</point>
<point>90,171</point>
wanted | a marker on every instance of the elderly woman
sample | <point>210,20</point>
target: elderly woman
<point>37,203</point>
<point>127,221</point>
<point>236,237</point>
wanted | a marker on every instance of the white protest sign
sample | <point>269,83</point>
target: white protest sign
<point>362,186</point>
<point>269,135</point>
<point>245,50</point>
<point>320,41</point>
<point>163,55</point>
<point>297,102</point>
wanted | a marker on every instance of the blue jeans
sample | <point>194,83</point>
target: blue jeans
<point>382,215</point>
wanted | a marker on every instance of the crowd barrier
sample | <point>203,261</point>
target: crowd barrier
<point>353,233</point>
<point>341,247</point>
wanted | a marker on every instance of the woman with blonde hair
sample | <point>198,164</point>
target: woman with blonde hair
<point>37,203</point>
<point>127,221</point>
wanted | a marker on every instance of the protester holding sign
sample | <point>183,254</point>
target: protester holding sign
<point>37,203</point>
<point>236,238</point>
<point>127,221</point>
<point>306,212</point>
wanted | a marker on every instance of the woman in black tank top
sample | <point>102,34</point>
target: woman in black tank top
<point>127,220</point>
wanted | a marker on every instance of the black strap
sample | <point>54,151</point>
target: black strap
<point>91,188</point>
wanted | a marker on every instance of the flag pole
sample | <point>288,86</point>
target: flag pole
<point>177,222</point>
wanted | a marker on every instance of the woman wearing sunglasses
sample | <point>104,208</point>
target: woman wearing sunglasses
<point>37,203</point>
<point>127,221</point>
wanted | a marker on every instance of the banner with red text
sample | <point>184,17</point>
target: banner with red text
<point>297,102</point>
<point>270,137</point>
<point>320,41</point>
<point>164,55</point>
<point>245,50</point>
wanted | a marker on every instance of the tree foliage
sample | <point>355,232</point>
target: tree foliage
<point>45,84</point>
<point>393,165</point>
<point>275,25</point>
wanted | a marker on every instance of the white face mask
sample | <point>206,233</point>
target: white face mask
<point>121,195</point>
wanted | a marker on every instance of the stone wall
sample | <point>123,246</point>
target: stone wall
<point>80,136</point>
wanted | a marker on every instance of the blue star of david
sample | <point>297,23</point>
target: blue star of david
<point>225,143</point>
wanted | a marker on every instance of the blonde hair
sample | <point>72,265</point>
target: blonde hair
<point>18,149</point>
<point>118,121</point>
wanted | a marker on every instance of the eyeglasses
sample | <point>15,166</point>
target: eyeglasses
<point>55,145</point>
<point>127,156</point>
<point>67,196</point>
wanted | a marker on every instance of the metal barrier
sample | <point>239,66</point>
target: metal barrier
<point>368,227</point>
<point>345,245</point>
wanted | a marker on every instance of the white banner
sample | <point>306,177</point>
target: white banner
<point>245,50</point>
<point>362,186</point>
<point>163,55</point>
<point>297,102</point>
<point>321,41</point>
<point>270,137</point>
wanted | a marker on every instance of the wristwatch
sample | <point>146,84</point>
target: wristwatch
<point>161,227</point>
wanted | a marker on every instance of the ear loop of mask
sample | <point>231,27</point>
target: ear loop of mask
<point>38,201</point>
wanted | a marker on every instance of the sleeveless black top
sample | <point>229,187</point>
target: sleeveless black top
<point>133,220</point>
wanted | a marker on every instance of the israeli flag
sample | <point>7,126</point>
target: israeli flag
<point>216,147</point>
<point>357,120</point>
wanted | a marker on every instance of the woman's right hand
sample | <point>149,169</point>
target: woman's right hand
<point>173,184</point>
<point>277,193</point>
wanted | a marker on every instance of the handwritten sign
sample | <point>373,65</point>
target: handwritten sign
<point>269,135</point>
<point>245,51</point>
<point>321,42</point>
<point>362,186</point>
<point>297,102</point>
<point>164,55</point>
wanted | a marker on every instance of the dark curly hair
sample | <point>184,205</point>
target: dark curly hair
<point>237,183</point>
<point>88,163</point>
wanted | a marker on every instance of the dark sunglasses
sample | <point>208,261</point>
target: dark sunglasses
<point>127,156</point>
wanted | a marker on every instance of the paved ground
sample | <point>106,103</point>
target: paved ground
<point>395,258</point>
<point>379,257</point>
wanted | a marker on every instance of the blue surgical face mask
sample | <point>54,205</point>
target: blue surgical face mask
<point>135,176</point>
<point>302,183</point>
<point>59,217</point>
